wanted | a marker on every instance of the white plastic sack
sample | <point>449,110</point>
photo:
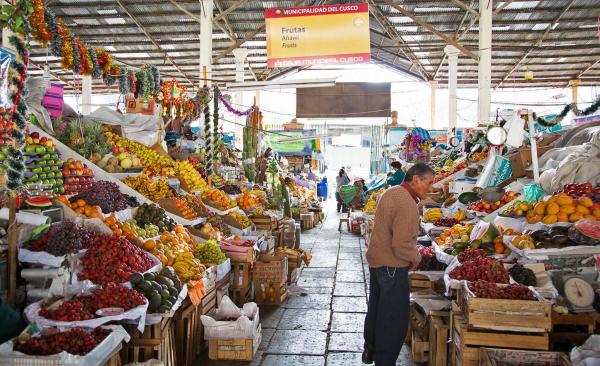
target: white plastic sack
<point>223,269</point>
<point>96,357</point>
<point>244,327</point>
<point>37,88</point>
<point>515,131</point>
<point>588,354</point>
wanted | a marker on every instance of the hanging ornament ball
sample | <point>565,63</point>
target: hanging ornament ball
<point>227,97</point>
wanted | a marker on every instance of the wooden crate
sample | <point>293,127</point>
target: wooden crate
<point>157,341</point>
<point>263,297</point>
<point>570,330</point>
<point>241,296</point>
<point>307,221</point>
<point>188,330</point>
<point>439,333</point>
<point>419,348</point>
<point>465,341</point>
<point>223,288</point>
<point>489,357</point>
<point>419,281</point>
<point>265,222</point>
<point>508,315</point>
<point>241,285</point>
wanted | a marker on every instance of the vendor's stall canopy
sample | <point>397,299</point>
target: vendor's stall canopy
<point>556,40</point>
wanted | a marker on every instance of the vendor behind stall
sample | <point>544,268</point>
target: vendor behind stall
<point>352,195</point>
<point>398,176</point>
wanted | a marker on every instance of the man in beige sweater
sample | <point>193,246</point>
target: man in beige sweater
<point>392,253</point>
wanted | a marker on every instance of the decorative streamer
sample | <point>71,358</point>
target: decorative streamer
<point>207,144</point>
<point>40,29</point>
<point>215,147</point>
<point>124,83</point>
<point>231,109</point>
<point>96,70</point>
<point>67,46</point>
<point>76,56</point>
<point>55,40</point>
<point>567,108</point>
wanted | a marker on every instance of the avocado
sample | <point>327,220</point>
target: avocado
<point>173,291</point>
<point>149,277</point>
<point>177,283</point>
<point>559,230</point>
<point>164,309</point>
<point>145,286</point>
<point>167,303</point>
<point>560,240</point>
<point>173,300</point>
<point>164,294</point>
<point>468,197</point>
<point>136,278</point>
<point>164,280</point>
<point>537,235</point>
<point>168,272</point>
<point>154,302</point>
<point>164,287</point>
<point>152,293</point>
<point>156,286</point>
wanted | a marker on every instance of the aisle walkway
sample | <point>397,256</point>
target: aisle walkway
<point>325,327</point>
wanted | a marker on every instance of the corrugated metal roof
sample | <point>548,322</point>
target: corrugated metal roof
<point>570,49</point>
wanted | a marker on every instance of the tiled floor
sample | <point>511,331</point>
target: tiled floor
<point>325,326</point>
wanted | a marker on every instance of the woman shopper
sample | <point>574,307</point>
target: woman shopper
<point>398,176</point>
<point>340,181</point>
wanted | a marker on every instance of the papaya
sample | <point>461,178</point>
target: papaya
<point>550,219</point>
<point>552,209</point>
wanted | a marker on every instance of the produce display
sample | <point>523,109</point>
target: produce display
<point>6,126</point>
<point>231,189</point>
<point>151,188</point>
<point>87,139</point>
<point>43,166</point>
<point>161,290</point>
<point>243,220</point>
<point>210,231</point>
<point>76,341</point>
<point>480,268</point>
<point>81,207</point>
<point>119,162</point>
<point>188,268</point>
<point>522,275</point>
<point>77,176</point>
<point>84,307</point>
<point>169,245</point>
<point>517,209</point>
<point>449,168</point>
<point>190,177</point>
<point>195,202</point>
<point>106,195</point>
<point>489,207</point>
<point>152,214</point>
<point>563,208</point>
<point>432,214</point>
<point>112,259</point>
<point>148,231</point>
<point>584,189</point>
<point>428,260</point>
<point>217,222</point>
<point>490,290</point>
<point>455,235</point>
<point>585,232</point>
<point>446,222</point>
<point>247,201</point>
<point>154,162</point>
<point>370,207</point>
<point>185,209</point>
<point>62,238</point>
<point>218,198</point>
<point>209,253</point>
<point>523,242</point>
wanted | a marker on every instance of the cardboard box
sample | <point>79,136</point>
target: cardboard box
<point>520,160</point>
<point>271,268</point>
<point>549,139</point>
<point>235,349</point>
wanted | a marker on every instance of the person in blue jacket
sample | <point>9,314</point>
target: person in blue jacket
<point>398,177</point>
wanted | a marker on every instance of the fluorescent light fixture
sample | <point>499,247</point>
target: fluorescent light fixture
<point>115,20</point>
<point>110,48</point>
<point>501,28</point>
<point>107,11</point>
<point>291,84</point>
<point>555,25</point>
<point>585,26</point>
<point>562,59</point>
<point>551,59</point>
<point>434,8</point>
<point>186,20</point>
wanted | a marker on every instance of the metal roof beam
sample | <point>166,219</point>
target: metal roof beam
<point>466,8</point>
<point>587,68</point>
<point>538,42</point>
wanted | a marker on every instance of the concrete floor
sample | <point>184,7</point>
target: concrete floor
<point>324,327</point>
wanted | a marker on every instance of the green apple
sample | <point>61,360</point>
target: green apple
<point>50,149</point>
<point>34,177</point>
<point>46,169</point>
<point>43,175</point>
<point>52,181</point>
<point>37,169</point>
<point>40,149</point>
<point>59,181</point>
<point>46,181</point>
<point>56,190</point>
<point>46,156</point>
<point>2,156</point>
<point>61,189</point>
<point>30,148</point>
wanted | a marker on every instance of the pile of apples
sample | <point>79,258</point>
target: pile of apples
<point>77,176</point>
<point>6,126</point>
<point>448,172</point>
<point>489,207</point>
<point>42,164</point>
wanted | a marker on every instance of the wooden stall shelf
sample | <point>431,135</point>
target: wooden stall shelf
<point>307,220</point>
<point>241,289</point>
<point>570,330</point>
<point>235,349</point>
<point>419,348</point>
<point>492,356</point>
<point>188,328</point>
<point>269,293</point>
<point>157,341</point>
<point>439,332</point>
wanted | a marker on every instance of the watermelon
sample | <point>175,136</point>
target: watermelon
<point>585,232</point>
<point>39,202</point>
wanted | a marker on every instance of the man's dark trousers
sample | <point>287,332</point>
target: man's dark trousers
<point>386,323</point>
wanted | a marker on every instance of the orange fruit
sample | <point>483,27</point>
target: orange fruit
<point>550,219</point>
<point>562,217</point>
<point>576,216</point>
<point>586,202</point>
<point>583,210</point>
<point>596,213</point>
<point>80,203</point>
<point>88,210</point>
<point>552,199</point>
<point>149,244</point>
<point>567,209</point>
<point>564,199</point>
<point>589,217</point>
<point>552,209</point>
<point>540,208</point>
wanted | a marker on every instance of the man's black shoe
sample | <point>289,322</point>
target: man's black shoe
<point>367,357</point>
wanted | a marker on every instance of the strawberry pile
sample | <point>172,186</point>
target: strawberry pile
<point>75,341</point>
<point>489,290</point>
<point>480,268</point>
<point>428,260</point>
<point>446,222</point>
<point>470,253</point>
<point>84,307</point>
<point>112,259</point>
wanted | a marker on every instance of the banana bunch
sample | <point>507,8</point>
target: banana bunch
<point>460,215</point>
<point>433,214</point>
<point>153,189</point>
<point>370,207</point>
<point>187,267</point>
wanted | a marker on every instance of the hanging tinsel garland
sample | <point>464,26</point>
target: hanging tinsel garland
<point>67,47</point>
<point>39,25</point>
<point>565,111</point>
<point>207,144</point>
<point>231,109</point>
<point>55,39</point>
<point>76,56</point>
<point>215,147</point>
<point>96,70</point>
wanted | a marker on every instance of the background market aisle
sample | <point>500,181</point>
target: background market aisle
<point>325,327</point>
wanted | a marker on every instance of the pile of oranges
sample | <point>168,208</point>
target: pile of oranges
<point>563,208</point>
<point>119,229</point>
<point>218,197</point>
<point>82,208</point>
<point>170,244</point>
<point>185,209</point>
<point>247,201</point>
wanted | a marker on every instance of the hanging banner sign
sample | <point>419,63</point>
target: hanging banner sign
<point>318,35</point>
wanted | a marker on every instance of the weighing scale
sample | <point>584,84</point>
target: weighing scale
<point>576,290</point>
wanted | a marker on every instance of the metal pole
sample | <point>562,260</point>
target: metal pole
<point>484,71</point>
<point>206,31</point>
<point>86,95</point>
<point>452,53</point>
<point>433,84</point>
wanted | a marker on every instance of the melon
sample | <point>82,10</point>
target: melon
<point>126,163</point>
<point>585,232</point>
<point>39,202</point>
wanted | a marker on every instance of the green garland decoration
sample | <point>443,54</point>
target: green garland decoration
<point>55,41</point>
<point>215,147</point>
<point>568,108</point>
<point>77,67</point>
<point>207,144</point>
<point>96,69</point>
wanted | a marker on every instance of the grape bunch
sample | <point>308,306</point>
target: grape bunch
<point>470,253</point>
<point>84,307</point>
<point>480,268</point>
<point>108,196</point>
<point>522,275</point>
<point>489,290</point>
<point>428,260</point>
<point>76,341</point>
<point>209,252</point>
<point>446,222</point>
<point>63,238</point>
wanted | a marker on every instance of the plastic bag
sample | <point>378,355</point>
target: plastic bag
<point>588,354</point>
<point>532,192</point>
